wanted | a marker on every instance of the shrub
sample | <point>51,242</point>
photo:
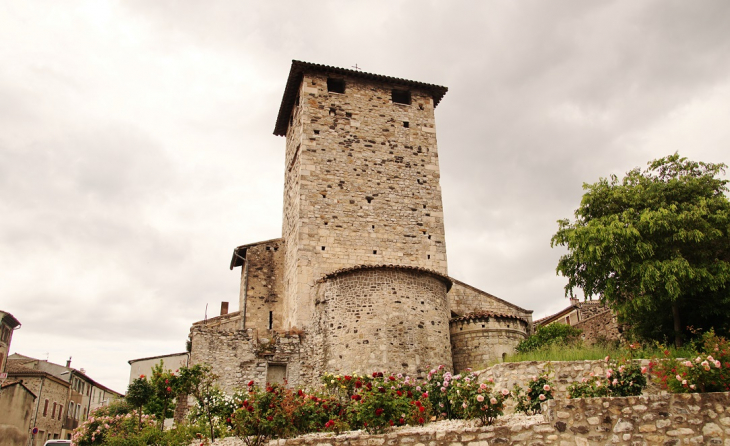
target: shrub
<point>462,396</point>
<point>707,371</point>
<point>560,334</point>
<point>538,390</point>
<point>622,378</point>
<point>261,415</point>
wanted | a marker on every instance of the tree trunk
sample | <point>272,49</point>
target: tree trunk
<point>677,325</point>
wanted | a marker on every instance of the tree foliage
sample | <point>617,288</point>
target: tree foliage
<point>654,246</point>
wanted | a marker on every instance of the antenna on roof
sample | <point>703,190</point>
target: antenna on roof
<point>357,68</point>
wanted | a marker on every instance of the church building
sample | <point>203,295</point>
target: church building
<point>359,280</point>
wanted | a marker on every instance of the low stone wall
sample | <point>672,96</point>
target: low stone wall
<point>646,420</point>
<point>699,418</point>
<point>561,374</point>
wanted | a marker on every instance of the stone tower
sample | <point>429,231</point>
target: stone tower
<point>361,180</point>
<point>360,269</point>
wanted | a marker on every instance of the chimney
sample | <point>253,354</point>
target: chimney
<point>68,363</point>
<point>574,300</point>
<point>224,308</point>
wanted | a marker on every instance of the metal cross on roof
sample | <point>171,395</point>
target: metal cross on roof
<point>357,68</point>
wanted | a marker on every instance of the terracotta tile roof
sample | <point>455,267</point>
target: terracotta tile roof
<point>440,276</point>
<point>478,315</point>
<point>298,68</point>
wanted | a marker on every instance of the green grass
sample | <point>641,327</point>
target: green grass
<point>581,353</point>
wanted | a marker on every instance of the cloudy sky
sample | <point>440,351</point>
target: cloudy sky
<point>136,145</point>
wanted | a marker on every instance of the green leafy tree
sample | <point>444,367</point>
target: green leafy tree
<point>654,246</point>
<point>212,405</point>
<point>138,395</point>
<point>165,385</point>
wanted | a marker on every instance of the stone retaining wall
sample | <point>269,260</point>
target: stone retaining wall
<point>646,420</point>
<point>561,374</point>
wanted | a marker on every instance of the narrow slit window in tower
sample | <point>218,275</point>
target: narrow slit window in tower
<point>271,320</point>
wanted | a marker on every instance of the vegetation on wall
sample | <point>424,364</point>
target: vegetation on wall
<point>655,247</point>
<point>556,334</point>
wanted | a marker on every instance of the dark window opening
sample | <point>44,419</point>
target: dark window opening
<point>401,97</point>
<point>369,199</point>
<point>316,132</point>
<point>429,237</point>
<point>348,115</point>
<point>406,124</point>
<point>333,112</point>
<point>326,223</point>
<point>268,248</point>
<point>323,248</point>
<point>424,206</point>
<point>335,85</point>
<point>373,226</point>
<point>375,251</point>
<point>429,257</point>
<point>271,320</point>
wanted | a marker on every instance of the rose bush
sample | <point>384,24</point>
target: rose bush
<point>539,390</point>
<point>707,371</point>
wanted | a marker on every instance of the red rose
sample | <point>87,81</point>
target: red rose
<point>169,389</point>
<point>270,418</point>
<point>250,383</point>
<point>390,422</point>
<point>401,421</point>
<point>421,408</point>
<point>375,374</point>
<point>420,420</point>
<point>228,420</point>
<point>399,393</point>
<point>167,381</point>
<point>391,377</point>
<point>378,411</point>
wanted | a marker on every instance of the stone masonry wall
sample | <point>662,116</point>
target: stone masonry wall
<point>361,187</point>
<point>55,392</point>
<point>262,290</point>
<point>227,322</point>
<point>601,327</point>
<point>475,343</point>
<point>668,420</point>
<point>465,299</point>
<point>385,319</point>
<point>561,374</point>
<point>239,356</point>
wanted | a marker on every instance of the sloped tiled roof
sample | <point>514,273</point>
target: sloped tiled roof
<point>478,315</point>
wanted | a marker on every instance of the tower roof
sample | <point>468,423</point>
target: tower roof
<point>298,68</point>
